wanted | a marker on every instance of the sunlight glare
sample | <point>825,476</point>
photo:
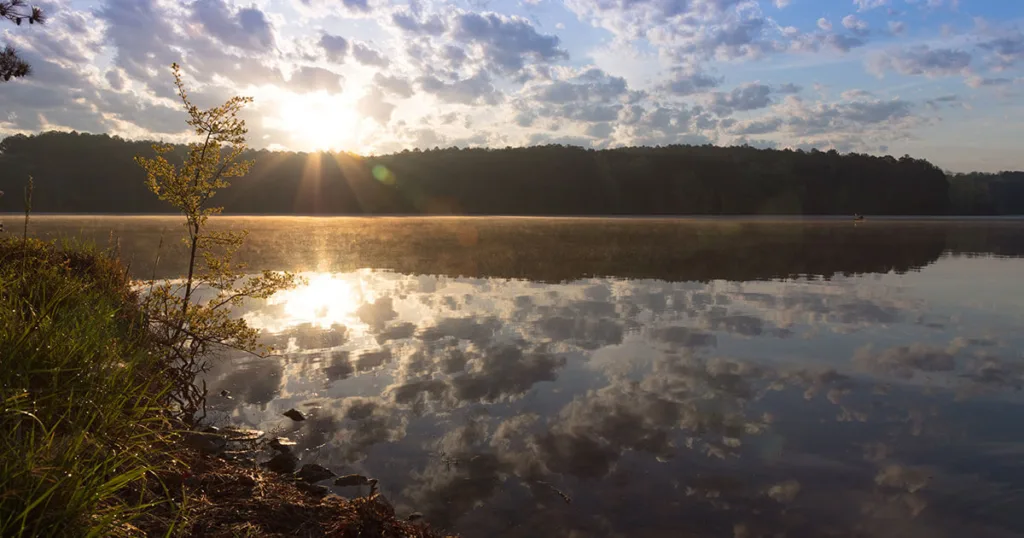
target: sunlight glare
<point>324,301</point>
<point>318,121</point>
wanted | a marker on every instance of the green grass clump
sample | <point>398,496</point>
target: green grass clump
<point>81,419</point>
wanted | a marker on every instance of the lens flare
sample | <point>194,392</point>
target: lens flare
<point>382,174</point>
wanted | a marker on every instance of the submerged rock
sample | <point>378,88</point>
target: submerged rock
<point>206,443</point>
<point>313,473</point>
<point>354,480</point>
<point>282,463</point>
<point>312,489</point>
<point>241,434</point>
<point>281,444</point>
<point>295,414</point>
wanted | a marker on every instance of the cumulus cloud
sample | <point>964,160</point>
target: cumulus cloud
<point>920,60</point>
<point>394,85</point>
<point>335,47</point>
<point>409,23</point>
<point>105,70</point>
<point>865,5</point>
<point>312,79</point>
<point>1006,48</point>
<point>507,42</point>
<point>685,82</point>
<point>855,25</point>
<point>373,105</point>
<point>747,97</point>
<point>476,89</point>
<point>248,28</point>
<point>368,56</point>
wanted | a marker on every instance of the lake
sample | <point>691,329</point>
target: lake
<point>638,377</point>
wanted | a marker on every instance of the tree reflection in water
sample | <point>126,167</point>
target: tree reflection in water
<point>669,378</point>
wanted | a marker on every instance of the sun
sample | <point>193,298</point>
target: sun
<point>318,121</point>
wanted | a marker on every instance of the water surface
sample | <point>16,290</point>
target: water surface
<point>669,377</point>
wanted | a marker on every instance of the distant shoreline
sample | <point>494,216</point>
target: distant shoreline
<point>766,218</point>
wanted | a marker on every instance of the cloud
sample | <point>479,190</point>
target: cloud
<point>115,79</point>
<point>976,81</point>
<point>592,85</point>
<point>756,127</point>
<point>866,5</point>
<point>855,25</point>
<point>307,79</point>
<point>393,85</point>
<point>476,89</point>
<point>248,28</point>
<point>920,60</point>
<point>409,23</point>
<point>1007,49</point>
<point>368,56</point>
<point>373,105</point>
<point>334,47</point>
<point>141,33</point>
<point>746,97</point>
<point>688,83</point>
<point>357,5</point>
<point>507,42</point>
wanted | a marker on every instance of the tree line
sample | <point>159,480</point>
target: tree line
<point>987,194</point>
<point>86,173</point>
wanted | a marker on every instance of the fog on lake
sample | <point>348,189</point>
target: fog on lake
<point>638,377</point>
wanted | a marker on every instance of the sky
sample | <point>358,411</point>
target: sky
<point>936,79</point>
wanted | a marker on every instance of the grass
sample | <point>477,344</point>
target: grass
<point>80,396</point>
<point>87,445</point>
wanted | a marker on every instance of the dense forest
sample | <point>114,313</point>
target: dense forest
<point>987,194</point>
<point>86,173</point>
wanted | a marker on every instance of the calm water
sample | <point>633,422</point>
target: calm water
<point>672,378</point>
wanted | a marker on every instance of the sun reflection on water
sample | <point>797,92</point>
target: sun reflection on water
<point>326,299</point>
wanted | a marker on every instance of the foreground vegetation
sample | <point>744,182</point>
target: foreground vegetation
<point>88,445</point>
<point>80,392</point>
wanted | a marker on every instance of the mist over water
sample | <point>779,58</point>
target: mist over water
<point>717,377</point>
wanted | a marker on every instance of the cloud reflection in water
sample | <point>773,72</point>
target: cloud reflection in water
<point>736,408</point>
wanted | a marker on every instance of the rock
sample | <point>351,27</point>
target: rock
<point>415,516</point>
<point>311,489</point>
<point>282,463</point>
<point>294,414</point>
<point>314,473</point>
<point>206,443</point>
<point>354,480</point>
<point>241,434</point>
<point>282,444</point>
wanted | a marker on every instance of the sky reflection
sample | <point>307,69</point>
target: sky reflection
<point>857,406</point>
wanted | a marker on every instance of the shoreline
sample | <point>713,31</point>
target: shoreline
<point>88,441</point>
